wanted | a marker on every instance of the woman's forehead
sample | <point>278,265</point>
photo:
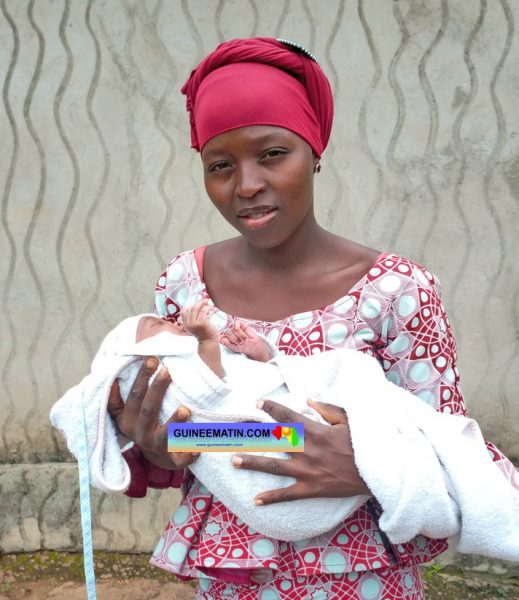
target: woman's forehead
<point>250,134</point>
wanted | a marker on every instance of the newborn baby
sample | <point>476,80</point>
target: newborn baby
<point>220,379</point>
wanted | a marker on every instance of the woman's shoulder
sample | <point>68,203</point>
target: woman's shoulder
<point>392,274</point>
<point>195,259</point>
<point>398,291</point>
<point>385,272</point>
<point>178,266</point>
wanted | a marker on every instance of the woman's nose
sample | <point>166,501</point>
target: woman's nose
<point>249,181</point>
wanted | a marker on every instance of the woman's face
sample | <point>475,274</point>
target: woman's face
<point>260,178</point>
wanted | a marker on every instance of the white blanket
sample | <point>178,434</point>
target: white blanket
<point>430,472</point>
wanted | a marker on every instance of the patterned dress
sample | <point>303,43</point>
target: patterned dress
<point>393,313</point>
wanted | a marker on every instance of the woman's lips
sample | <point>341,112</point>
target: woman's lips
<point>257,218</point>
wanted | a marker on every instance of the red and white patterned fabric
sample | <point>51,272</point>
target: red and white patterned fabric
<point>393,313</point>
<point>401,583</point>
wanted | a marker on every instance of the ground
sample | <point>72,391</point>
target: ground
<point>59,575</point>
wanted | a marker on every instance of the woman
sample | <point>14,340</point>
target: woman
<point>261,113</point>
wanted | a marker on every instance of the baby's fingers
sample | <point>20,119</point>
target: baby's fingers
<point>238,332</point>
<point>230,337</point>
<point>225,342</point>
<point>200,307</point>
<point>248,332</point>
<point>185,315</point>
<point>242,336</point>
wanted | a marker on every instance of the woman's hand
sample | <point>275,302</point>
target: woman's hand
<point>326,468</point>
<point>138,418</point>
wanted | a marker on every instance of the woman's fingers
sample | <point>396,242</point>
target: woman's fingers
<point>115,402</point>
<point>181,460</point>
<point>139,389</point>
<point>150,408</point>
<point>266,464</point>
<point>138,418</point>
<point>329,412</point>
<point>181,415</point>
<point>282,414</point>
<point>325,469</point>
<point>296,491</point>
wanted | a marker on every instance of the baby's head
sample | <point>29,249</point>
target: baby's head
<point>129,332</point>
<point>150,325</point>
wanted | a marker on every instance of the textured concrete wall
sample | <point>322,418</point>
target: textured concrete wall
<point>40,510</point>
<point>99,188</point>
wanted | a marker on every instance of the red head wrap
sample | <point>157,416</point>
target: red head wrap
<point>259,81</point>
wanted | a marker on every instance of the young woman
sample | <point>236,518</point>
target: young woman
<point>261,113</point>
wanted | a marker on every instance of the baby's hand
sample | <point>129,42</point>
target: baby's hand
<point>242,338</point>
<point>196,321</point>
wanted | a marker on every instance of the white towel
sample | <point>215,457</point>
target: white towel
<point>210,399</point>
<point>429,471</point>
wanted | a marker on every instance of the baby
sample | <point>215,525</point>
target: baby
<point>220,379</point>
<point>408,454</point>
<point>195,321</point>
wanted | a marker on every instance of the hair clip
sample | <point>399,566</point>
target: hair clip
<point>298,48</point>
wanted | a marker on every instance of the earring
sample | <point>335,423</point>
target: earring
<point>317,167</point>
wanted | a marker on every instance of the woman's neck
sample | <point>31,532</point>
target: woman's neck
<point>307,245</point>
<point>269,284</point>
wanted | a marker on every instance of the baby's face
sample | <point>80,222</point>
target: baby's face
<point>150,326</point>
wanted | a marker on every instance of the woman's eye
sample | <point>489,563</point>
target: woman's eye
<point>274,153</point>
<point>219,166</point>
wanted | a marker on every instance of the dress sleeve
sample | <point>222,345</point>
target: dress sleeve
<point>145,474</point>
<point>419,353</point>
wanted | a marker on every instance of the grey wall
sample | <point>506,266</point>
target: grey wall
<point>99,188</point>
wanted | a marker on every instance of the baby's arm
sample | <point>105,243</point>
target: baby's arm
<point>242,338</point>
<point>196,321</point>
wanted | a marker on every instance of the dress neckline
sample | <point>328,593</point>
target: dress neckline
<point>199,256</point>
